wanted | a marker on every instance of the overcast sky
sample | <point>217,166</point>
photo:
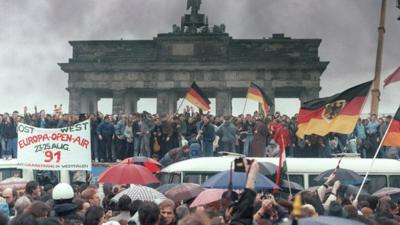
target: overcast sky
<point>34,37</point>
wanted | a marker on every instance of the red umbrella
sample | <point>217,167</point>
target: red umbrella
<point>151,164</point>
<point>128,173</point>
<point>184,192</point>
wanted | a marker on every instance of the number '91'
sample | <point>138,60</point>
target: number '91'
<point>50,156</point>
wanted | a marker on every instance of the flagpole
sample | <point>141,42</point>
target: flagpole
<point>287,170</point>
<point>373,160</point>
<point>245,103</point>
<point>378,63</point>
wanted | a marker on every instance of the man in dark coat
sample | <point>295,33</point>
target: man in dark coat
<point>10,135</point>
<point>259,140</point>
<point>207,132</point>
<point>105,131</point>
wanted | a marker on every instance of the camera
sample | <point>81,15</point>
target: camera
<point>239,165</point>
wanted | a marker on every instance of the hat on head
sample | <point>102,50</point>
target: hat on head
<point>63,193</point>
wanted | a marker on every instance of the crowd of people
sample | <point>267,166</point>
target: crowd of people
<point>115,137</point>
<point>82,204</point>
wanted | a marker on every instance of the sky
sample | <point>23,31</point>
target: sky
<point>34,37</point>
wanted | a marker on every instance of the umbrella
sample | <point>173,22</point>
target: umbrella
<point>208,196</point>
<point>221,180</point>
<point>345,176</point>
<point>387,191</point>
<point>13,182</point>
<point>165,187</point>
<point>267,168</point>
<point>151,164</point>
<point>293,185</point>
<point>138,192</point>
<point>184,192</point>
<point>327,220</point>
<point>128,174</point>
<point>344,191</point>
<point>353,190</point>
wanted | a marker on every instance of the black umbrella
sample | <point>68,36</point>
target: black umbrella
<point>267,168</point>
<point>293,185</point>
<point>353,190</point>
<point>165,187</point>
<point>345,176</point>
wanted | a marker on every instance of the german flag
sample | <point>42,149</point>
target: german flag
<point>195,96</point>
<point>393,134</point>
<point>338,113</point>
<point>257,94</point>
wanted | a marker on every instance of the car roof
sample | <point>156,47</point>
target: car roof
<point>294,165</point>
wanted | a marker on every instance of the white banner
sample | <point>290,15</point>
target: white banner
<point>54,149</point>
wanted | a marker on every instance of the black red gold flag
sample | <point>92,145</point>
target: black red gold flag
<point>257,94</point>
<point>196,96</point>
<point>392,137</point>
<point>338,113</point>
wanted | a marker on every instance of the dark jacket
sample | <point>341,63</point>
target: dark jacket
<point>46,123</point>
<point>10,130</point>
<point>135,129</point>
<point>191,132</point>
<point>105,129</point>
<point>208,132</point>
<point>1,129</point>
<point>244,210</point>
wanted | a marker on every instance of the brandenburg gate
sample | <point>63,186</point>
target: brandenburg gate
<point>164,67</point>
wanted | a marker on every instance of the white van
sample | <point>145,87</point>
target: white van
<point>384,173</point>
<point>8,168</point>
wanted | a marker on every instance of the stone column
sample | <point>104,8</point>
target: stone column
<point>93,100</point>
<point>74,100</point>
<point>118,103</point>
<point>223,102</point>
<point>309,94</point>
<point>166,102</point>
<point>84,108</point>
<point>162,102</point>
<point>172,101</point>
<point>88,101</point>
<point>131,99</point>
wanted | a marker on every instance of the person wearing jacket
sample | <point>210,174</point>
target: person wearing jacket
<point>227,134</point>
<point>42,122</point>
<point>128,133</point>
<point>105,131</point>
<point>120,138</point>
<point>259,140</point>
<point>2,139</point>
<point>146,125</point>
<point>207,131</point>
<point>10,136</point>
<point>248,126</point>
<point>176,155</point>
<point>136,134</point>
<point>242,212</point>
